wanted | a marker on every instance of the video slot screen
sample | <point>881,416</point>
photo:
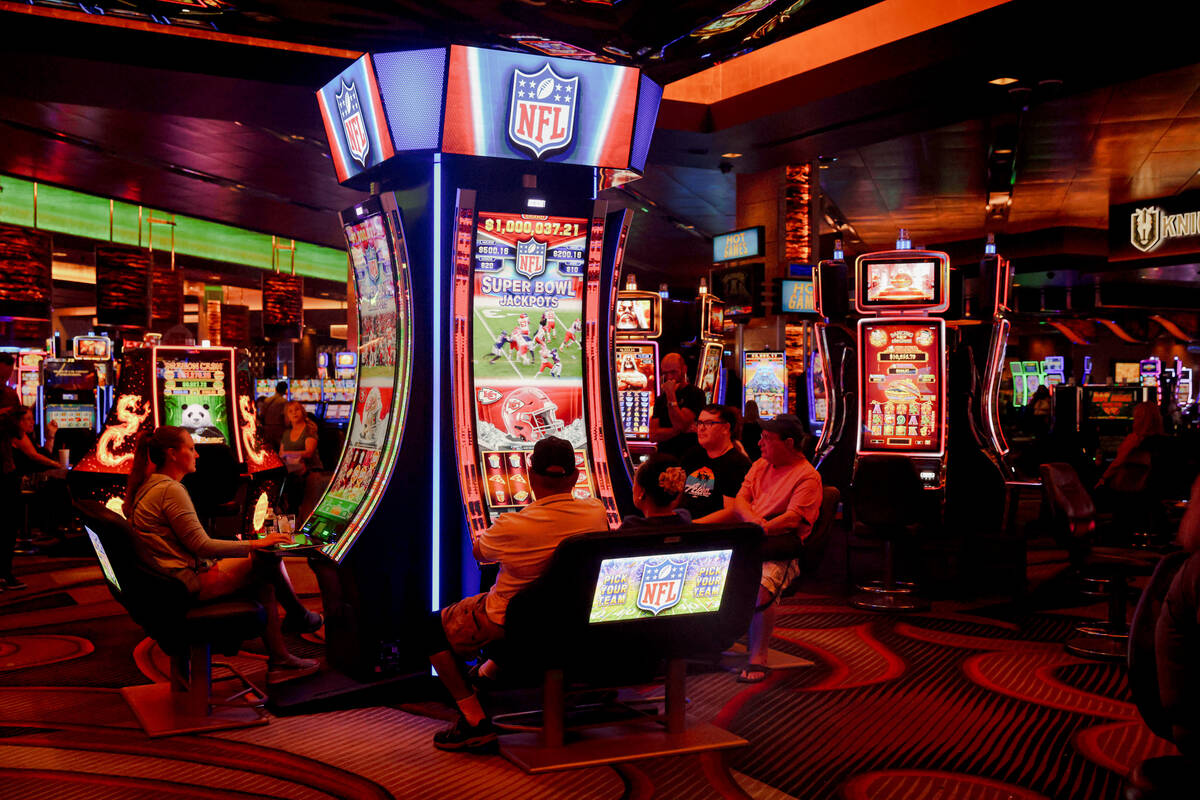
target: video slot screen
<point>900,283</point>
<point>1127,372</point>
<point>96,348</point>
<point>1105,404</point>
<point>306,391</point>
<point>818,403</point>
<point>527,348</point>
<point>901,406</point>
<point>637,386</point>
<point>636,316</point>
<point>712,326</point>
<point>381,334</point>
<point>264,388</point>
<point>337,412</point>
<point>709,374</point>
<point>71,416</point>
<point>69,375</point>
<point>764,380</point>
<point>667,585</point>
<point>195,392</point>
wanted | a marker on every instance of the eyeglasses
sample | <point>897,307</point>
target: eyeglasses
<point>708,423</point>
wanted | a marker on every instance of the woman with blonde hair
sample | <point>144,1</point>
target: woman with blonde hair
<point>170,539</point>
<point>298,448</point>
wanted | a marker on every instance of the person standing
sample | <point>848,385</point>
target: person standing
<point>298,448</point>
<point>672,423</point>
<point>751,431</point>
<point>715,467</point>
<point>273,421</point>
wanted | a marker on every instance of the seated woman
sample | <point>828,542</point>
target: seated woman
<point>298,448</point>
<point>657,491</point>
<point>171,540</point>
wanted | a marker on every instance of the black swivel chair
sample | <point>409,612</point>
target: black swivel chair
<point>810,551</point>
<point>1105,571</point>
<point>1166,776</point>
<point>186,631</point>
<point>217,489</point>
<point>887,495</point>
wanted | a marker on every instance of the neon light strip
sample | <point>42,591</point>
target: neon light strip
<point>991,400</point>
<point>594,407</point>
<point>463,384</point>
<point>825,370</point>
<point>435,340</point>
<point>476,85</point>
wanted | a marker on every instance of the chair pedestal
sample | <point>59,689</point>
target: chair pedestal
<point>888,594</point>
<point>1107,640</point>
<point>185,704</point>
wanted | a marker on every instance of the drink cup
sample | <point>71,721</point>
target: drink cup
<point>64,457</point>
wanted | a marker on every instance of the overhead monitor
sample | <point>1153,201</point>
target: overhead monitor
<point>93,348</point>
<point>902,401</point>
<point>1127,372</point>
<point>1055,363</point>
<point>764,380</point>
<point>636,366</point>
<point>193,388</point>
<point>1109,404</point>
<point>647,586</point>
<point>638,315</point>
<point>712,317</point>
<point>708,376</point>
<point>902,280</point>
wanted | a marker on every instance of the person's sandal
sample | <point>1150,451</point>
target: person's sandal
<point>750,670</point>
<point>290,670</point>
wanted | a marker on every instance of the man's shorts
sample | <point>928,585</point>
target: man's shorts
<point>468,626</point>
<point>777,575</point>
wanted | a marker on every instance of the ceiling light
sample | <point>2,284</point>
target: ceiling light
<point>1003,151</point>
<point>1002,81</point>
<point>731,155</point>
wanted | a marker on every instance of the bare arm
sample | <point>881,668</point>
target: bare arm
<point>27,449</point>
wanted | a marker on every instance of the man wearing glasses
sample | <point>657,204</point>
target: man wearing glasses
<point>716,467</point>
<point>676,409</point>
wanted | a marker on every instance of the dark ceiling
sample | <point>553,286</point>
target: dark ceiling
<point>909,132</point>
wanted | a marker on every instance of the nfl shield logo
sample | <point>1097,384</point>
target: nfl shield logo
<point>531,258</point>
<point>353,123</point>
<point>662,584</point>
<point>1145,228</point>
<point>541,113</point>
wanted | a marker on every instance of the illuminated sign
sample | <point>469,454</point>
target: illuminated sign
<point>541,112</point>
<point>352,109</point>
<point>1158,227</point>
<point>797,296</point>
<point>644,587</point>
<point>746,243</point>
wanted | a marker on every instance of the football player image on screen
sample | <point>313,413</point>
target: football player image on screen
<point>573,335</point>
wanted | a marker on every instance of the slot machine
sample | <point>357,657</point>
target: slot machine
<point>835,352</point>
<point>710,374</point>
<point>345,366</point>
<point>307,392</point>
<point>29,376</point>
<point>637,324</point>
<point>902,358</point>
<point>481,246</point>
<point>1150,375</point>
<point>265,387</point>
<point>995,287</point>
<point>818,394</point>
<point>765,381</point>
<point>75,395</point>
<point>1054,370</point>
<point>204,390</point>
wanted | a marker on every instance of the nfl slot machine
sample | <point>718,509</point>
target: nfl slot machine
<point>637,324</point>
<point>902,358</point>
<point>710,374</point>
<point>483,167</point>
<point>202,390</point>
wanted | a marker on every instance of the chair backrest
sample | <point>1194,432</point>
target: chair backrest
<point>886,491</point>
<point>613,601</point>
<point>217,477</point>
<point>1141,658</point>
<point>155,601</point>
<point>813,548</point>
<point>1068,500</point>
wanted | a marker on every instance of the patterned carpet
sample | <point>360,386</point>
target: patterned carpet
<point>958,703</point>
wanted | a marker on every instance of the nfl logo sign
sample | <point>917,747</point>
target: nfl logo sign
<point>531,258</point>
<point>541,113</point>
<point>662,585</point>
<point>352,123</point>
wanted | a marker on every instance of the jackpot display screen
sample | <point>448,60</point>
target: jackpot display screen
<point>643,587</point>
<point>764,380</point>
<point>708,378</point>
<point>306,391</point>
<point>97,348</point>
<point>902,399</point>
<point>636,316</point>
<point>195,390</point>
<point>379,404</point>
<point>526,348</point>
<point>637,386</point>
<point>712,318</point>
<point>1127,372</point>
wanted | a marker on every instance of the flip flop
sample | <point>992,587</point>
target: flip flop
<point>750,669</point>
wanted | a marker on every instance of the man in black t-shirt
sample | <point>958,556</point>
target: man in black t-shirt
<point>716,467</point>
<point>675,410</point>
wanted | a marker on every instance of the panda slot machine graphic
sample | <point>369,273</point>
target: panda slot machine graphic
<point>527,349</point>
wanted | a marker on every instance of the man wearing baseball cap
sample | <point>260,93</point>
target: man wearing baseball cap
<point>522,543</point>
<point>782,493</point>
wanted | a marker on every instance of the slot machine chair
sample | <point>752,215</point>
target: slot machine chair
<point>186,631</point>
<point>885,496</point>
<point>1104,571</point>
<point>810,551</point>
<point>549,639</point>
<point>1163,776</point>
<point>217,488</point>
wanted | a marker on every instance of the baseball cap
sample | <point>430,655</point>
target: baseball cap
<point>553,457</point>
<point>785,426</point>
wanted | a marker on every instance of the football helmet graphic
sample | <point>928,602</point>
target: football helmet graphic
<point>529,414</point>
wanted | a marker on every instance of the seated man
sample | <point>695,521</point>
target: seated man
<point>523,543</point>
<point>782,493</point>
<point>1177,638</point>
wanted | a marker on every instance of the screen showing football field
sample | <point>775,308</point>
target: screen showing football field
<point>659,586</point>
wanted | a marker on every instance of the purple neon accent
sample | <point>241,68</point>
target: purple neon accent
<point>649,97</point>
<point>411,84</point>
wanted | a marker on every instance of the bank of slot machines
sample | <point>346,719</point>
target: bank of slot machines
<point>338,399</point>
<point>29,376</point>
<point>307,392</point>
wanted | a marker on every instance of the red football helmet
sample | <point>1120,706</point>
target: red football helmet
<point>529,414</point>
